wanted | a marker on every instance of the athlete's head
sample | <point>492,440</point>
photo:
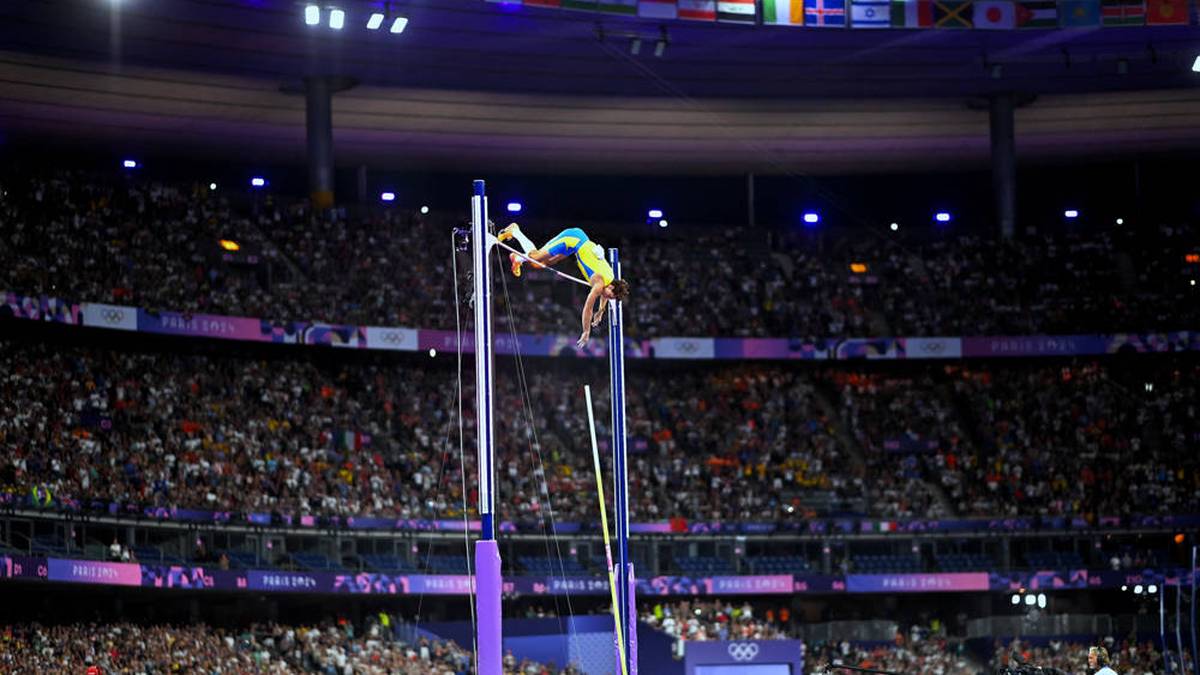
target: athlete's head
<point>1097,656</point>
<point>617,290</point>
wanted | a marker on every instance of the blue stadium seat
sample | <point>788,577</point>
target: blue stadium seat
<point>314,561</point>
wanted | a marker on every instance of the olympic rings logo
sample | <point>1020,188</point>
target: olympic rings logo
<point>932,347</point>
<point>393,338</point>
<point>743,651</point>
<point>688,347</point>
<point>112,315</point>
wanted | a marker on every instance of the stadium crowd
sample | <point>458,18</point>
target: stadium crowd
<point>1127,656</point>
<point>337,649</point>
<point>1074,440</point>
<point>115,239</point>
<point>700,620</point>
<point>376,437</point>
<point>294,436</point>
<point>332,649</point>
<point>930,654</point>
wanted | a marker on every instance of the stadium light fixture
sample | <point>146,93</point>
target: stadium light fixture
<point>229,245</point>
<point>1152,589</point>
<point>130,164</point>
<point>1193,282</point>
<point>1137,590</point>
<point>635,46</point>
<point>258,181</point>
<point>655,213</point>
<point>1120,221</point>
<point>212,186</point>
<point>399,24</point>
<point>1016,599</point>
<point>337,18</point>
<point>1196,65</point>
<point>312,15</point>
<point>1124,587</point>
<point>812,217</point>
<point>388,196</point>
<point>514,207</point>
<point>432,352</point>
<point>663,223</point>
<point>1071,214</point>
<point>895,227</point>
<point>1041,601</point>
<point>424,210</point>
<point>375,21</point>
<point>1031,600</point>
<point>942,217</point>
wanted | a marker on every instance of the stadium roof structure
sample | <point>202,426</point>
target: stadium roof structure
<point>526,88</point>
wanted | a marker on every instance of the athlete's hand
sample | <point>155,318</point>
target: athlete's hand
<point>597,318</point>
<point>583,338</point>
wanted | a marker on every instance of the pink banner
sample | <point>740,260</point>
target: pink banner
<point>95,572</point>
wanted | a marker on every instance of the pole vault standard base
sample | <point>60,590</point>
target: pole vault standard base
<point>487,605</point>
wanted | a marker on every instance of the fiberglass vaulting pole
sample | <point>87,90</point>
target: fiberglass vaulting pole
<point>487,552</point>
<point>626,584</point>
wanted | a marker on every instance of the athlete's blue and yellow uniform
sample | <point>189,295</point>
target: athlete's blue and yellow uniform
<point>588,254</point>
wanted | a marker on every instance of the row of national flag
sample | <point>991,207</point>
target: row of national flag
<point>979,14</point>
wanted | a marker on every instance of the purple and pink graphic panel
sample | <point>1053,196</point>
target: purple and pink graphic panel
<point>1034,345</point>
<point>117,317</point>
<point>917,583</point>
<point>23,567</point>
<point>250,329</point>
<point>749,585</point>
<point>282,581</point>
<point>41,308</point>
<point>94,572</point>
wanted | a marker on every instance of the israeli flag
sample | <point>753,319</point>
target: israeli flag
<point>870,14</point>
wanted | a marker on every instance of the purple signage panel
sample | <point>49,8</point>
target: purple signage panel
<point>768,348</point>
<point>23,567</point>
<point>744,656</point>
<point>439,584</point>
<point>273,580</point>
<point>917,583</point>
<point>94,572</point>
<point>528,345</point>
<point>371,583</point>
<point>749,585</point>
<point>818,583</point>
<point>192,578</point>
<point>1044,580</point>
<point>1034,345</point>
<point>870,348</point>
<point>42,308</point>
<point>201,325</point>
<point>255,330</point>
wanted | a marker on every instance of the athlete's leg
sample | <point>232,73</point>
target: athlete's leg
<point>563,244</point>
<point>526,245</point>
<point>540,258</point>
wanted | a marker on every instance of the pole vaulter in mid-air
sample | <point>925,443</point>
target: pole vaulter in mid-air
<point>588,255</point>
<point>603,279</point>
